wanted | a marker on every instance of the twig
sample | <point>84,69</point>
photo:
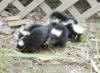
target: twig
<point>67,51</point>
<point>94,66</point>
<point>39,56</point>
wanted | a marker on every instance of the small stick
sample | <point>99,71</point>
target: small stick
<point>94,66</point>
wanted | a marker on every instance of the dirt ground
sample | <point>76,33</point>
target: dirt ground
<point>84,51</point>
<point>81,57</point>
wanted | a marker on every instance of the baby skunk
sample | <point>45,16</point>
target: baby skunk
<point>75,30</point>
<point>53,34</point>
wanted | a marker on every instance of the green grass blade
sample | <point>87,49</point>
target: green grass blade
<point>69,58</point>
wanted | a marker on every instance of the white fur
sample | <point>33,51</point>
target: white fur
<point>47,41</point>
<point>56,32</point>
<point>22,31</point>
<point>76,37</point>
<point>78,28</point>
<point>20,43</point>
<point>68,22</point>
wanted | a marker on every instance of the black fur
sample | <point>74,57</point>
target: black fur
<point>73,36</point>
<point>29,29</point>
<point>62,18</point>
<point>58,15</point>
<point>36,38</point>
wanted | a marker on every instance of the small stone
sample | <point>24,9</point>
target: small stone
<point>1,22</point>
<point>82,54</point>
<point>5,29</point>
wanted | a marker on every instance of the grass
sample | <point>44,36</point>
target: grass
<point>69,58</point>
<point>10,61</point>
<point>80,70</point>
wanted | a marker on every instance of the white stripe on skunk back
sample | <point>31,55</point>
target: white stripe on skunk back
<point>78,29</point>
<point>68,22</point>
<point>22,31</point>
<point>56,32</point>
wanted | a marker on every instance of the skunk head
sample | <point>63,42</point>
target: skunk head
<point>57,17</point>
<point>75,32</point>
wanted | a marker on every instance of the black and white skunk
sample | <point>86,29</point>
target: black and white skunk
<point>75,30</point>
<point>35,36</point>
<point>60,29</point>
